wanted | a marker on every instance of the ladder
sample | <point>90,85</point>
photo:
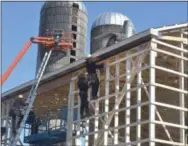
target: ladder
<point>31,98</point>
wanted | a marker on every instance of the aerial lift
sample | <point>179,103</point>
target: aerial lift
<point>51,41</point>
<point>55,40</point>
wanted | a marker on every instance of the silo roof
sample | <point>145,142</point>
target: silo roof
<point>107,18</point>
<point>68,3</point>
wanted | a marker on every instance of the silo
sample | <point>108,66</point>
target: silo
<point>110,28</point>
<point>68,16</point>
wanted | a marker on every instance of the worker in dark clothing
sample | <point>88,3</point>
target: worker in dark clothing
<point>16,112</point>
<point>91,68</point>
<point>3,131</point>
<point>83,93</point>
<point>34,121</point>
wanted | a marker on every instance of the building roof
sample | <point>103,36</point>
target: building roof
<point>104,53</point>
<point>109,51</point>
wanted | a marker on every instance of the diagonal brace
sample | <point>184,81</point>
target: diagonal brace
<point>158,115</point>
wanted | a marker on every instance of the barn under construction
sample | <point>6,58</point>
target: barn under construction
<point>143,95</point>
<point>143,92</point>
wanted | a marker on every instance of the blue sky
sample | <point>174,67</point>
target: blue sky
<point>20,21</point>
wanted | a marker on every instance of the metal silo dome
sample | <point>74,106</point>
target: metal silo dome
<point>110,28</point>
<point>110,18</point>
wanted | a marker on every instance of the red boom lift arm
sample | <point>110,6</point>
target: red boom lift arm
<point>15,62</point>
<point>48,42</point>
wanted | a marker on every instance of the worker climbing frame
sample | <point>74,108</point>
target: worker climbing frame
<point>128,100</point>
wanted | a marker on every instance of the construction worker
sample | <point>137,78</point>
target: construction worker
<point>91,68</point>
<point>83,93</point>
<point>34,121</point>
<point>3,131</point>
<point>16,112</point>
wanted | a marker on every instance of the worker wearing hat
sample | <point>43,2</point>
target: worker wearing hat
<point>16,112</point>
<point>83,86</point>
<point>91,68</point>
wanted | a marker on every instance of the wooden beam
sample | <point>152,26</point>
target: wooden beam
<point>175,39</point>
<point>128,97</point>
<point>116,119</point>
<point>70,115</point>
<point>107,90</point>
<point>139,101</point>
<point>133,73</point>
<point>182,95</point>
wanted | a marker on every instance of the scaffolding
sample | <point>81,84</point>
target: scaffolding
<point>143,96</point>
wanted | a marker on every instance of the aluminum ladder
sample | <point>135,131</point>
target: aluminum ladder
<point>31,98</point>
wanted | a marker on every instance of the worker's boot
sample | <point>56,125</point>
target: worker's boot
<point>82,116</point>
<point>95,97</point>
<point>87,113</point>
<point>14,132</point>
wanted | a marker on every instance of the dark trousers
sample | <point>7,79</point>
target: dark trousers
<point>84,102</point>
<point>34,121</point>
<point>95,88</point>
<point>15,125</point>
<point>13,116</point>
<point>94,80</point>
<point>3,131</point>
<point>34,128</point>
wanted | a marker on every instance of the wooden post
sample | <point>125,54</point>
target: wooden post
<point>106,109</point>
<point>70,114</point>
<point>127,99</point>
<point>116,119</point>
<point>139,101</point>
<point>182,95</point>
<point>152,56</point>
<point>97,113</point>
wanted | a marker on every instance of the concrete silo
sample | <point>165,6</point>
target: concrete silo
<point>68,16</point>
<point>109,28</point>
